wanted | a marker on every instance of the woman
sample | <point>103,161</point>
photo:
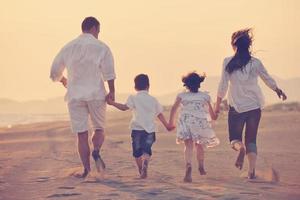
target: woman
<point>244,96</point>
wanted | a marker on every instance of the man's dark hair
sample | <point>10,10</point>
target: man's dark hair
<point>88,23</point>
<point>141,82</point>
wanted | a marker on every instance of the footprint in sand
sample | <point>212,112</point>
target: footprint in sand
<point>66,187</point>
<point>63,195</point>
<point>43,179</point>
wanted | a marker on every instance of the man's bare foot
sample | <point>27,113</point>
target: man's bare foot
<point>188,174</point>
<point>100,165</point>
<point>202,170</point>
<point>82,175</point>
<point>144,169</point>
<point>240,159</point>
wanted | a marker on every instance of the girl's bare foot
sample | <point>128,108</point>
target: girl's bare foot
<point>83,174</point>
<point>188,174</point>
<point>240,159</point>
<point>202,170</point>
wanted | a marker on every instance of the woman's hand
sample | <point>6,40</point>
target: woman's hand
<point>280,94</point>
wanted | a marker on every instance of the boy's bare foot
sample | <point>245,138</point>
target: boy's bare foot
<point>240,159</point>
<point>100,165</point>
<point>188,174</point>
<point>202,170</point>
<point>144,169</point>
<point>251,175</point>
<point>82,175</point>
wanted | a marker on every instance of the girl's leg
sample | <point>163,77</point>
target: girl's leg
<point>200,158</point>
<point>188,153</point>
<point>252,124</point>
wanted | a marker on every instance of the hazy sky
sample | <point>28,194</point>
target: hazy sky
<point>163,38</point>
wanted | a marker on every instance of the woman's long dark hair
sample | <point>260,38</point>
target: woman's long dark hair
<point>242,41</point>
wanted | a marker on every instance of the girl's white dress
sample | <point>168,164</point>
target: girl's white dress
<point>194,121</point>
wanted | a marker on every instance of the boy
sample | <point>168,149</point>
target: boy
<point>145,109</point>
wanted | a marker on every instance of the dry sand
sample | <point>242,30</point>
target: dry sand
<point>37,162</point>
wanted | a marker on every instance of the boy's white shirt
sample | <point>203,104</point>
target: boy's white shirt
<point>145,109</point>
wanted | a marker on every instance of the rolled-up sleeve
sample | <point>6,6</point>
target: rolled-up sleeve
<point>264,75</point>
<point>223,84</point>
<point>57,67</point>
<point>107,66</point>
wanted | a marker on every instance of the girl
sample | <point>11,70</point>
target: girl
<point>244,96</point>
<point>193,127</point>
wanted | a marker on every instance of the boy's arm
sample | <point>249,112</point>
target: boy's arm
<point>120,106</point>
<point>163,120</point>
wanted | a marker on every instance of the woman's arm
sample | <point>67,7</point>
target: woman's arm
<point>173,111</point>
<point>269,81</point>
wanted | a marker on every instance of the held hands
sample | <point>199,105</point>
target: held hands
<point>64,81</point>
<point>280,94</point>
<point>170,127</point>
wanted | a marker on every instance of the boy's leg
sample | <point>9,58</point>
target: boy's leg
<point>147,140</point>
<point>136,149</point>
<point>188,153</point>
<point>200,158</point>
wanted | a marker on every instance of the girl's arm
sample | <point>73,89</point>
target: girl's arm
<point>173,111</point>
<point>217,108</point>
<point>212,113</point>
<point>120,106</point>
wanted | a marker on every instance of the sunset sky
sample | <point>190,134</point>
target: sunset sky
<point>163,38</point>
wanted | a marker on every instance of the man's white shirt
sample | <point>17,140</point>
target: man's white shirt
<point>89,63</point>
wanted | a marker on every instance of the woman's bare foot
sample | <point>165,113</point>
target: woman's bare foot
<point>188,174</point>
<point>202,170</point>
<point>240,159</point>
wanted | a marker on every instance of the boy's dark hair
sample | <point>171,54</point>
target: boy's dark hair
<point>88,23</point>
<point>141,82</point>
<point>192,81</point>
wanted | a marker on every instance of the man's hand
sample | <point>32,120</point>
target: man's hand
<point>64,81</point>
<point>110,96</point>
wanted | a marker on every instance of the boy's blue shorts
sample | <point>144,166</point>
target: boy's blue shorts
<point>142,142</point>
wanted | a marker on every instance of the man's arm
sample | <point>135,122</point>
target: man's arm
<point>111,86</point>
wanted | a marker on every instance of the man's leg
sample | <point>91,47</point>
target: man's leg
<point>97,109</point>
<point>98,139</point>
<point>84,152</point>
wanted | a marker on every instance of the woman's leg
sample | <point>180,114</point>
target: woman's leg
<point>252,124</point>
<point>200,158</point>
<point>236,122</point>
<point>188,153</point>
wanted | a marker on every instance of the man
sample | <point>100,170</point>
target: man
<point>89,62</point>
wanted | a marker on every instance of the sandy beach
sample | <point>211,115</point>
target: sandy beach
<point>38,161</point>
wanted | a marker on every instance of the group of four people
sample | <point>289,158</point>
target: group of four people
<point>89,62</point>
